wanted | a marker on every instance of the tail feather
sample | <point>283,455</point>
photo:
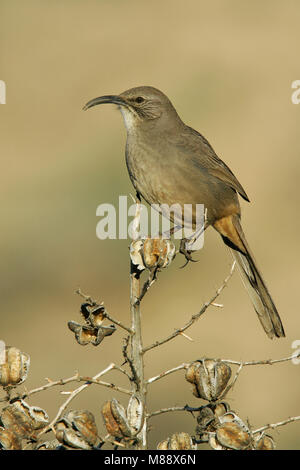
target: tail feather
<point>253,281</point>
<point>258,292</point>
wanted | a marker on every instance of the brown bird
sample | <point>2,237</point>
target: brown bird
<point>171,163</point>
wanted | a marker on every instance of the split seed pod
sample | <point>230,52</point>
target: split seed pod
<point>24,420</point>
<point>178,441</point>
<point>152,253</point>
<point>86,334</point>
<point>265,442</point>
<point>77,429</point>
<point>214,444</point>
<point>93,315</point>
<point>206,421</point>
<point>14,367</point>
<point>115,420</point>
<point>163,445</point>
<point>209,378</point>
<point>209,418</point>
<point>230,417</point>
<point>48,445</point>
<point>232,435</point>
<point>9,440</point>
<point>120,424</point>
<point>157,252</point>
<point>135,414</point>
<point>221,408</point>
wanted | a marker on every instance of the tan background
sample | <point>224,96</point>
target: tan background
<point>228,68</point>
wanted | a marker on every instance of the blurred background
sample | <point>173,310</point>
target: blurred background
<point>228,69</point>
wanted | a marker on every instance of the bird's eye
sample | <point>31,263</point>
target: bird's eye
<point>139,99</point>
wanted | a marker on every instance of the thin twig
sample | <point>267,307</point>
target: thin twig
<point>106,314</point>
<point>147,284</point>
<point>123,371</point>
<point>276,425</point>
<point>90,380</point>
<point>78,378</point>
<point>195,317</point>
<point>232,383</point>
<point>74,393</point>
<point>168,372</point>
<point>229,361</point>
<point>50,384</point>
<point>167,410</point>
<point>252,363</point>
<point>262,362</point>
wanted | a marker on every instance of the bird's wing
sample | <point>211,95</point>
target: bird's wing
<point>204,156</point>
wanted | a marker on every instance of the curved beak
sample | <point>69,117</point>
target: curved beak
<point>115,99</point>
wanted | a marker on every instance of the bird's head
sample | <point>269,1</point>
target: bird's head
<point>139,105</point>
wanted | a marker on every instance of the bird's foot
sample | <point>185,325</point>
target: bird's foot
<point>186,253</point>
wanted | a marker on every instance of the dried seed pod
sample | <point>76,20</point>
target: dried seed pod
<point>48,445</point>
<point>59,428</point>
<point>232,417</point>
<point>93,315</point>
<point>265,442</point>
<point>209,378</point>
<point>97,315</point>
<point>9,440</point>
<point>116,421</point>
<point>68,436</point>
<point>85,311</point>
<point>135,413</point>
<point>86,334</point>
<point>163,445</point>
<point>120,416</point>
<point>178,441</point>
<point>77,429</point>
<point>152,253</point>
<point>206,421</point>
<point>214,444</point>
<point>14,368</point>
<point>221,408</point>
<point>135,254</point>
<point>181,441</point>
<point>157,252</point>
<point>231,435</point>
<point>83,421</point>
<point>24,420</point>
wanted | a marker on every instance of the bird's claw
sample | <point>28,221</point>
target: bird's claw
<point>186,253</point>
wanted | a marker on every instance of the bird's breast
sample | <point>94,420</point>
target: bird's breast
<point>163,176</point>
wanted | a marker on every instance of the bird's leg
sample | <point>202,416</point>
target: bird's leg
<point>185,242</point>
<point>167,234</point>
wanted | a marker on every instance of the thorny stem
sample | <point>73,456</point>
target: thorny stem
<point>138,384</point>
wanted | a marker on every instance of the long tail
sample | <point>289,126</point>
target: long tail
<point>233,235</point>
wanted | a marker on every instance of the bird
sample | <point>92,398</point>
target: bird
<point>170,163</point>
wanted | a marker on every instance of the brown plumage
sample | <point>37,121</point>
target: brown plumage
<point>169,162</point>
